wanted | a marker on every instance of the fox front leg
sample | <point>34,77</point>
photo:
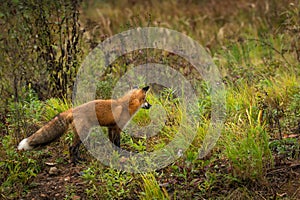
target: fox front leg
<point>114,135</point>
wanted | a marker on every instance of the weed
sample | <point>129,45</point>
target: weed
<point>248,152</point>
<point>70,192</point>
<point>55,106</point>
<point>152,190</point>
<point>26,114</point>
<point>17,169</point>
<point>288,148</point>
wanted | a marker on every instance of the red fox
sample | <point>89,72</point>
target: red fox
<point>112,113</point>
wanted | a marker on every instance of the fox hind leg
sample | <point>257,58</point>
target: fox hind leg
<point>74,148</point>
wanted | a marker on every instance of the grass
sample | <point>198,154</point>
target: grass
<point>17,170</point>
<point>256,48</point>
<point>152,189</point>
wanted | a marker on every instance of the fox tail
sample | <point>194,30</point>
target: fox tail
<point>48,133</point>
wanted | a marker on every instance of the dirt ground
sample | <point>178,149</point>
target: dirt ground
<point>58,181</point>
<point>53,186</point>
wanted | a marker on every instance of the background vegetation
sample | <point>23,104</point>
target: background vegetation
<point>256,46</point>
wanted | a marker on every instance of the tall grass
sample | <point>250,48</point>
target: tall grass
<point>152,190</point>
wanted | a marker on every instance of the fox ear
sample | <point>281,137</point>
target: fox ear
<point>145,89</point>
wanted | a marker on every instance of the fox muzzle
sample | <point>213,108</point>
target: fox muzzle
<point>146,105</point>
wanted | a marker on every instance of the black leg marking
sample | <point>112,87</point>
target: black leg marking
<point>74,153</point>
<point>114,136</point>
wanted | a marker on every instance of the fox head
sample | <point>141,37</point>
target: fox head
<point>137,99</point>
<point>145,103</point>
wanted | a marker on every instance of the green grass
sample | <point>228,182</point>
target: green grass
<point>17,170</point>
<point>152,189</point>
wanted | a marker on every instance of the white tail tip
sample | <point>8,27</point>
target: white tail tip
<point>24,145</point>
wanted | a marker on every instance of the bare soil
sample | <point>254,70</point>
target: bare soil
<point>282,182</point>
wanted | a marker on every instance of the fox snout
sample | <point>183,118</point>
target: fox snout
<point>146,105</point>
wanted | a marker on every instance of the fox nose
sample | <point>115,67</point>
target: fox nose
<point>146,105</point>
